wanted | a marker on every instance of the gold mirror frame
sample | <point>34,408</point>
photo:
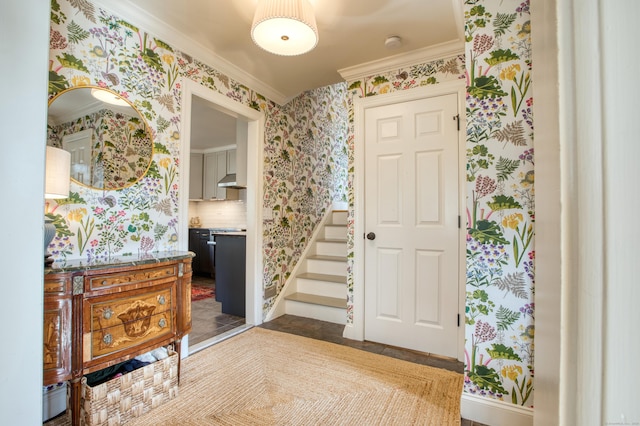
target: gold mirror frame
<point>112,145</point>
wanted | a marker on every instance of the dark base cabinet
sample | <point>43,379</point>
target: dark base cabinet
<point>199,244</point>
<point>230,259</point>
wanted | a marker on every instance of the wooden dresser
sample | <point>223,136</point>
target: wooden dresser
<point>101,313</point>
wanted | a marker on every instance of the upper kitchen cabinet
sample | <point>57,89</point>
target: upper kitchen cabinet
<point>217,165</point>
<point>195,176</point>
<point>207,170</point>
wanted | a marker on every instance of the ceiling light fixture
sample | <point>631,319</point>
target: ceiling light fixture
<point>108,97</point>
<point>285,27</point>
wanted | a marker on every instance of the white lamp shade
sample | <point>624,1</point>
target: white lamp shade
<point>57,173</point>
<point>285,27</point>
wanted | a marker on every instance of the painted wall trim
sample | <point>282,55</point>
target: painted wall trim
<point>255,141</point>
<point>493,412</point>
<point>131,12</point>
<point>402,60</point>
<point>355,330</point>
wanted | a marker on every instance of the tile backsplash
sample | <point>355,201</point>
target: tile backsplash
<point>219,214</point>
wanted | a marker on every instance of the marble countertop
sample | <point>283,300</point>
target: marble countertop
<point>73,265</point>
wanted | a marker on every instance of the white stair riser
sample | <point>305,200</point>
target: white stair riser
<point>317,266</point>
<point>339,218</point>
<point>329,248</point>
<point>322,288</point>
<point>319,312</point>
<point>335,232</point>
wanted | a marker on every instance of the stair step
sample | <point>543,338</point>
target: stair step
<point>331,247</point>
<point>323,277</point>
<point>338,232</point>
<point>339,217</point>
<point>331,265</point>
<point>328,258</point>
<point>318,300</point>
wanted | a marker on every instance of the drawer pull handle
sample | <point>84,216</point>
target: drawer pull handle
<point>108,313</point>
<point>162,323</point>
<point>161,300</point>
<point>104,282</point>
<point>107,339</point>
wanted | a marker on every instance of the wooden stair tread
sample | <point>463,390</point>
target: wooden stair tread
<point>340,279</point>
<point>318,300</point>
<point>329,258</point>
<point>332,240</point>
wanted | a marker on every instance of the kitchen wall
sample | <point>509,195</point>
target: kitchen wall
<point>499,317</point>
<point>220,214</point>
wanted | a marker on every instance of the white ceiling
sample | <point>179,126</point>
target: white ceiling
<point>351,32</point>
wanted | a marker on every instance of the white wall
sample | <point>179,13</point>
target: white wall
<point>621,155</point>
<point>547,156</point>
<point>24,35</point>
<point>599,151</point>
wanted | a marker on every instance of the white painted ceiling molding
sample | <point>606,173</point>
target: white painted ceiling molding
<point>142,19</point>
<point>402,60</point>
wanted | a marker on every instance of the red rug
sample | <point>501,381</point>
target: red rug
<point>201,292</point>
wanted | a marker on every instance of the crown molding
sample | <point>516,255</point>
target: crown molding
<point>130,11</point>
<point>439,51</point>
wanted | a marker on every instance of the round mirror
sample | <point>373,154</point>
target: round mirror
<point>109,140</point>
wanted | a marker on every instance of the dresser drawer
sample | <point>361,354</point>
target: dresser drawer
<point>57,284</point>
<point>101,282</point>
<point>128,309</point>
<point>117,322</point>
<point>123,336</point>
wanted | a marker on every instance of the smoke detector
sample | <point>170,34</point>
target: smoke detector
<point>393,42</point>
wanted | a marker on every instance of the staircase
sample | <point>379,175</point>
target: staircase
<point>319,289</point>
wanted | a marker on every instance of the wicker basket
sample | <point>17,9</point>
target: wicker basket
<point>131,395</point>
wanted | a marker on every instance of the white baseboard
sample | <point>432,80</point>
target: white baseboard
<point>494,413</point>
<point>350,332</point>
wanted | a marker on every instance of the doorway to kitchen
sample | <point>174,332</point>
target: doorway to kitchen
<point>246,159</point>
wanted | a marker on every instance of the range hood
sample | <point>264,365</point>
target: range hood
<point>230,181</point>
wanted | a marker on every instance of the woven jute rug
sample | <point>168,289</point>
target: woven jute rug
<point>265,377</point>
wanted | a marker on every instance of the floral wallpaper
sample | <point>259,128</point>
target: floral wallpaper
<point>305,158</point>
<point>120,151</point>
<point>308,162</point>
<point>500,312</point>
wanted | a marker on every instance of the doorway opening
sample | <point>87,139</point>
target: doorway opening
<point>240,211</point>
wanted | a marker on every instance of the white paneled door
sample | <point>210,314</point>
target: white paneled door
<point>411,225</point>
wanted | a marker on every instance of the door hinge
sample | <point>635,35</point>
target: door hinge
<point>459,222</point>
<point>457,118</point>
<point>458,320</point>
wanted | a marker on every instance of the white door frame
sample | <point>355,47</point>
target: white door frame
<point>255,141</point>
<point>356,329</point>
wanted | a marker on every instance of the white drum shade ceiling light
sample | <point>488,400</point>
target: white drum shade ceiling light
<point>285,27</point>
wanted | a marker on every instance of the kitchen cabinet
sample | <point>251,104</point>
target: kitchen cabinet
<point>230,258</point>
<point>205,172</point>
<point>200,243</point>
<point>195,176</point>
<point>215,168</point>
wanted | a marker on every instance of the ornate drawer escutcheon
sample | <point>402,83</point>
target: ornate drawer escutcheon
<point>107,339</point>
<point>162,323</point>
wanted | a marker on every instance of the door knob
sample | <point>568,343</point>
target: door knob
<point>371,236</point>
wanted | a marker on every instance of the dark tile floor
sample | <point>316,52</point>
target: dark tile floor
<point>330,332</point>
<point>207,318</point>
